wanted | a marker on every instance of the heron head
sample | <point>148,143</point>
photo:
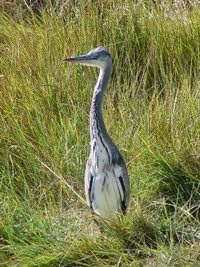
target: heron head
<point>98,57</point>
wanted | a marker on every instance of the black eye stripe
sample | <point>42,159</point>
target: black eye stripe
<point>96,56</point>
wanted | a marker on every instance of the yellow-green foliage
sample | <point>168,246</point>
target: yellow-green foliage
<point>151,109</point>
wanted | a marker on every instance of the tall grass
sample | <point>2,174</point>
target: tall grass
<point>151,109</point>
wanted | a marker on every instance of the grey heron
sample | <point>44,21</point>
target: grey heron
<point>107,187</point>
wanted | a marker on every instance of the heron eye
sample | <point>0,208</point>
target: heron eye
<point>97,56</point>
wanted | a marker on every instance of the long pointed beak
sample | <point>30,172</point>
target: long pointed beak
<point>79,59</point>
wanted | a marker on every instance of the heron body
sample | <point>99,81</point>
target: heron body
<point>107,186</point>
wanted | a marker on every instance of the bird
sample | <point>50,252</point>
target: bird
<point>107,185</point>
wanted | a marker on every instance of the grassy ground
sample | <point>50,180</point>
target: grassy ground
<point>152,110</point>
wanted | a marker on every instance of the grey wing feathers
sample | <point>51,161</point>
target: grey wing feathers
<point>124,203</point>
<point>118,166</point>
<point>88,184</point>
<point>123,179</point>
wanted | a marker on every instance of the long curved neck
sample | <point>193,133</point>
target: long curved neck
<point>97,126</point>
